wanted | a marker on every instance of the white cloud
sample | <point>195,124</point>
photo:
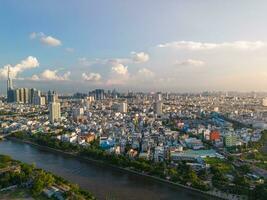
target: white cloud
<point>47,40</point>
<point>50,41</point>
<point>28,63</point>
<point>190,62</point>
<point>35,77</point>
<point>119,74</point>
<point>140,57</point>
<point>145,72</point>
<point>91,77</point>
<point>191,45</point>
<point>119,69</point>
<point>136,57</point>
<point>51,75</point>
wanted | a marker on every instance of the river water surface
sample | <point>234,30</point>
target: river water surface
<point>104,182</point>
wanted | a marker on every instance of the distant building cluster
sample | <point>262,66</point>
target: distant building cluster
<point>153,126</point>
<point>26,95</point>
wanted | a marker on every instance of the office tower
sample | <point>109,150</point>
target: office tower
<point>38,100</point>
<point>54,112</point>
<point>158,96</point>
<point>114,94</point>
<point>10,92</point>
<point>123,107</point>
<point>90,99</point>
<point>158,108</point>
<point>9,80</point>
<point>16,94</point>
<point>99,94</point>
<point>10,96</point>
<point>32,95</point>
<point>25,95</point>
<point>52,96</point>
<point>42,100</point>
<point>49,97</point>
<point>21,95</point>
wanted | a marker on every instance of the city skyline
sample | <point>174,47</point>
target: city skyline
<point>174,46</point>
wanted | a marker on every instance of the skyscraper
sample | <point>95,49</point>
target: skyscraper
<point>158,96</point>
<point>52,96</point>
<point>54,112</point>
<point>123,107</point>
<point>99,94</point>
<point>10,92</point>
<point>158,108</point>
<point>9,80</point>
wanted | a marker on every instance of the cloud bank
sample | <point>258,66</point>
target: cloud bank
<point>191,45</point>
<point>28,63</point>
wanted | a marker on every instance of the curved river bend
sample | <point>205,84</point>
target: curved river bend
<point>103,181</point>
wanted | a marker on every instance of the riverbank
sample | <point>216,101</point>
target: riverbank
<point>209,194</point>
<point>35,183</point>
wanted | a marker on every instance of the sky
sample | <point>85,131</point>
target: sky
<point>174,45</point>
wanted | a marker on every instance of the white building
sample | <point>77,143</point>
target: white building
<point>54,112</point>
<point>264,102</point>
<point>158,96</point>
<point>123,107</point>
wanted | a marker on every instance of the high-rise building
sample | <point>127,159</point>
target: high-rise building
<point>52,96</point>
<point>26,95</point>
<point>90,99</point>
<point>9,80</point>
<point>16,95</point>
<point>264,102</point>
<point>123,107</point>
<point>21,95</point>
<point>158,107</point>
<point>99,94</point>
<point>54,112</point>
<point>36,95</point>
<point>54,108</point>
<point>158,96</point>
<point>39,100</point>
<point>33,94</point>
<point>10,92</point>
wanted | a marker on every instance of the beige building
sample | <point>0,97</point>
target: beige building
<point>54,112</point>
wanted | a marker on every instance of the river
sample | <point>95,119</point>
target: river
<point>103,181</point>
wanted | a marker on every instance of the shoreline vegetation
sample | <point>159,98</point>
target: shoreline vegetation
<point>21,180</point>
<point>140,167</point>
<point>110,165</point>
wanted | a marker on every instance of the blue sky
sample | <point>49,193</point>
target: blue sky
<point>182,45</point>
